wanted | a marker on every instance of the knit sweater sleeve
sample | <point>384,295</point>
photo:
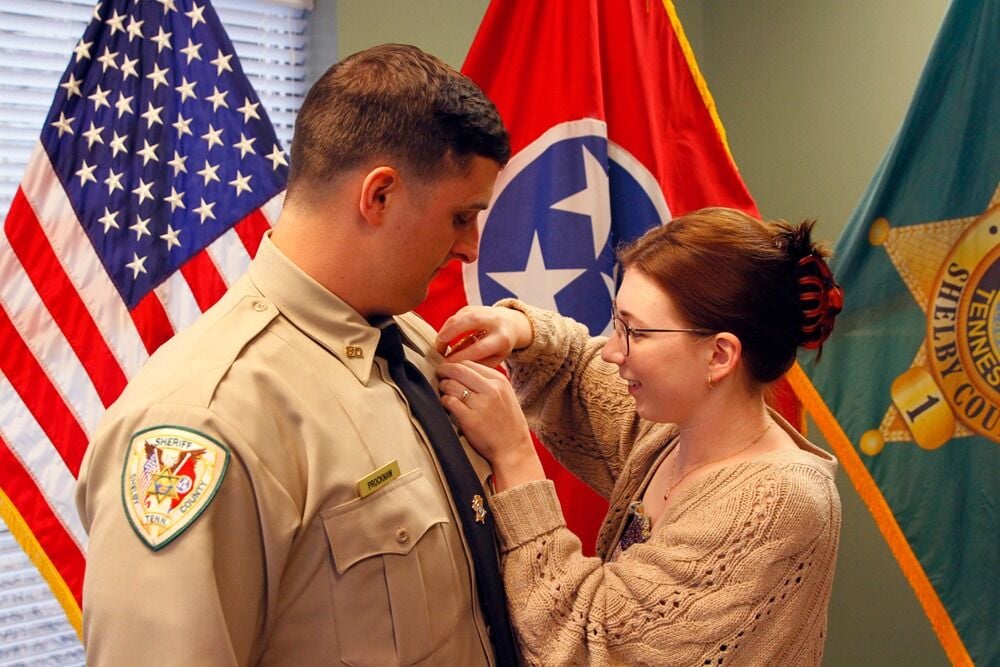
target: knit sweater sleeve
<point>574,401</point>
<point>740,570</point>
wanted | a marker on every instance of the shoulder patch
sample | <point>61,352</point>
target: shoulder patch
<point>171,475</point>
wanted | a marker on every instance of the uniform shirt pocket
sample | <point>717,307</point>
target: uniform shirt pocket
<point>391,555</point>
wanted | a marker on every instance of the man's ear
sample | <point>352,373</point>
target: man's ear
<point>726,354</point>
<point>377,189</point>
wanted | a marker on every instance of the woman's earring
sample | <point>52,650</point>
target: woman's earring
<point>711,382</point>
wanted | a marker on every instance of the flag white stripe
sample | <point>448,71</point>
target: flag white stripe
<point>178,301</point>
<point>45,340</point>
<point>76,254</point>
<point>230,256</point>
<point>272,209</point>
<point>28,442</point>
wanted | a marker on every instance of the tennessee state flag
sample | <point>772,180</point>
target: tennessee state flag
<point>613,132</point>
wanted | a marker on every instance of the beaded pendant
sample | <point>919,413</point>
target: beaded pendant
<point>638,528</point>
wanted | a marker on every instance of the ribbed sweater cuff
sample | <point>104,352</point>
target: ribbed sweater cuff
<point>526,512</point>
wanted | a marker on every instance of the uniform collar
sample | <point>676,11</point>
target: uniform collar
<point>315,310</point>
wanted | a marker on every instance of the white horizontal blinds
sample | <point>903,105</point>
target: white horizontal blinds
<point>37,38</point>
<point>271,40</point>
<point>36,41</point>
<point>33,627</point>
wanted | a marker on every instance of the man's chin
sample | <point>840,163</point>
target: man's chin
<point>398,307</point>
<point>413,303</point>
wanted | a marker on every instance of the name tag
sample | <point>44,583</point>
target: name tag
<point>374,481</point>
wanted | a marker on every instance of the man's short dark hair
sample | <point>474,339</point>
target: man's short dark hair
<point>396,103</point>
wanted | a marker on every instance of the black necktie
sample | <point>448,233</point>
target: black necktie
<point>465,488</point>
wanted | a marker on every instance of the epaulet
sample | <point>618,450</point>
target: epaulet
<point>219,344</point>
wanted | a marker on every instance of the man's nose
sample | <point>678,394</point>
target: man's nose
<point>466,246</point>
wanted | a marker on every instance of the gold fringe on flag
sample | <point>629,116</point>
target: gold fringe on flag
<point>19,529</point>
<point>884,518</point>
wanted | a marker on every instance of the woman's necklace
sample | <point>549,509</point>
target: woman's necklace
<point>673,468</point>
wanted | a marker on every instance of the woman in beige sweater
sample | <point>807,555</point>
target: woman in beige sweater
<point>721,537</point>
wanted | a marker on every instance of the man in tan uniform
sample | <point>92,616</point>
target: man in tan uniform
<point>260,493</point>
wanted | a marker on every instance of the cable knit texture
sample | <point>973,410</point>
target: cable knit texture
<point>737,572</point>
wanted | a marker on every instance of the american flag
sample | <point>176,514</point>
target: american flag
<point>155,175</point>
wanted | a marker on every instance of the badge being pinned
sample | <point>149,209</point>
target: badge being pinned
<point>171,474</point>
<point>479,508</point>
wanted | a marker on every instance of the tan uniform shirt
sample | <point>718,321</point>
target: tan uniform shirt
<point>275,390</point>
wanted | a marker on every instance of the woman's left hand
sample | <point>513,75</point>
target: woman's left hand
<point>484,404</point>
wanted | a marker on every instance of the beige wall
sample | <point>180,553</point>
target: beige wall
<point>811,92</point>
<point>442,27</point>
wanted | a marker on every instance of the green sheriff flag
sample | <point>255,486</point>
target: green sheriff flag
<point>908,390</point>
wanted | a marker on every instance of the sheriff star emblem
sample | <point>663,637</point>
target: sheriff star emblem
<point>952,389</point>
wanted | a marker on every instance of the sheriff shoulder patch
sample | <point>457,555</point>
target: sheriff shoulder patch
<point>171,475</point>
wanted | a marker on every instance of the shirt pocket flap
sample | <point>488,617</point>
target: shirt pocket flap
<point>390,521</point>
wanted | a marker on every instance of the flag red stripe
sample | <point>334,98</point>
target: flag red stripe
<point>60,297</point>
<point>54,539</point>
<point>40,396</point>
<point>151,322</point>
<point>204,279</point>
<point>251,230</point>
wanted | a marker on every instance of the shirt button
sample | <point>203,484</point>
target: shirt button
<point>259,306</point>
<point>402,536</point>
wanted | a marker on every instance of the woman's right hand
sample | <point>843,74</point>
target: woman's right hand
<point>505,330</point>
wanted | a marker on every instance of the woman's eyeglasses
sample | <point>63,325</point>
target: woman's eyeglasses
<point>624,330</point>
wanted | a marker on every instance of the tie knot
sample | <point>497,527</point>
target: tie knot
<point>390,344</point>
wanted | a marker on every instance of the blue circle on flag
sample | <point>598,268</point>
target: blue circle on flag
<point>550,236</point>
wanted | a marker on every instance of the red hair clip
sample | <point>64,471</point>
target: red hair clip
<point>821,299</point>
